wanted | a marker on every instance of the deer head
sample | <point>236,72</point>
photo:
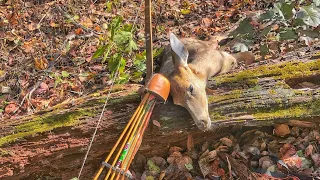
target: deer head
<point>188,86</point>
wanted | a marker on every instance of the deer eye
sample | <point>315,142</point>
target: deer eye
<point>191,89</point>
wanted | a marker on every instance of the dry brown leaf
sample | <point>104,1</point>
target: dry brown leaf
<point>174,149</point>
<point>41,63</point>
<point>281,130</point>
<point>28,47</point>
<point>53,24</point>
<point>43,87</point>
<point>286,151</point>
<point>308,150</point>
<point>182,162</point>
<point>13,19</point>
<point>86,22</point>
<point>156,123</point>
<point>316,159</point>
<point>226,141</point>
<point>10,108</point>
<point>206,22</point>
<point>97,28</point>
<point>33,26</point>
<point>78,31</point>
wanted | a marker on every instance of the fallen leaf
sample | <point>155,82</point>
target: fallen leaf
<point>183,163</point>
<point>281,130</point>
<point>53,24</point>
<point>79,31</point>
<point>86,22</point>
<point>28,47</point>
<point>10,108</point>
<point>41,63</point>
<point>286,151</point>
<point>206,22</point>
<point>308,150</point>
<point>316,159</point>
<point>226,141</point>
<point>185,11</point>
<point>33,26</point>
<point>97,28</point>
<point>156,123</point>
<point>174,149</point>
<point>43,87</point>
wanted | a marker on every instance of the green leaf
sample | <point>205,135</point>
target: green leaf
<point>310,15</point>
<point>109,6</point>
<point>287,10</point>
<point>131,46</point>
<point>310,33</point>
<point>121,38</point>
<point>157,52</point>
<point>185,11</point>
<point>106,54</point>
<point>128,27</point>
<point>265,31</point>
<point>65,74</point>
<point>189,166</point>
<point>57,81</point>
<point>68,45</point>
<point>264,50</point>
<point>300,153</point>
<point>115,61</point>
<point>115,26</point>
<point>288,34</point>
<point>267,15</point>
<point>99,51</point>
<point>298,22</point>
<point>123,78</point>
<point>124,40</point>
<point>136,76</point>
<point>245,30</point>
<point>284,10</point>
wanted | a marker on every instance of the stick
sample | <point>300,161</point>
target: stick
<point>148,36</point>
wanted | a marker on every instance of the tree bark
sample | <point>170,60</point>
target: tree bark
<point>52,143</point>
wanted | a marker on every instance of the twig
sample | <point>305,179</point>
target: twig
<point>28,95</point>
<point>229,167</point>
<point>74,22</point>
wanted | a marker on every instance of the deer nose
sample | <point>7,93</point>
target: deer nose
<point>204,124</point>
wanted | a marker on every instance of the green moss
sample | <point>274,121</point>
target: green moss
<point>235,94</point>
<point>272,91</point>
<point>290,112</point>
<point>42,124</point>
<point>217,116</point>
<point>282,84</point>
<point>102,100</point>
<point>153,167</point>
<point>279,71</point>
<point>3,152</point>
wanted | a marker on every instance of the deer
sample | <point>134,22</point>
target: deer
<point>188,63</point>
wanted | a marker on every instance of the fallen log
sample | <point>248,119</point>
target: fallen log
<point>52,143</point>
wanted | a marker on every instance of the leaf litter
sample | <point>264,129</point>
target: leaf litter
<point>49,52</point>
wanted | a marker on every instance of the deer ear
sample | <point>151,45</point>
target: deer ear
<point>179,52</point>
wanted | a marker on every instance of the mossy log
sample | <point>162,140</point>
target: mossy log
<point>52,143</point>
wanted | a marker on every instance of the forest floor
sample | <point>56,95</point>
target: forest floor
<point>47,50</point>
